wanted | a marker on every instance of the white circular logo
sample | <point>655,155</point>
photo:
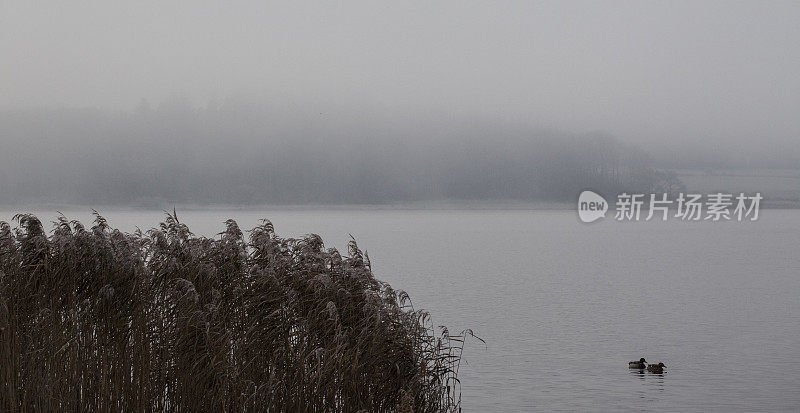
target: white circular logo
<point>591,206</point>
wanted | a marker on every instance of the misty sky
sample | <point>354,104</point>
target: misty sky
<point>648,72</point>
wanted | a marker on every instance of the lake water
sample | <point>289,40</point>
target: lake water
<point>563,305</point>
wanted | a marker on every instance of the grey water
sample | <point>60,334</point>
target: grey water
<point>563,306</point>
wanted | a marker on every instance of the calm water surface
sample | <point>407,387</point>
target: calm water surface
<point>563,305</point>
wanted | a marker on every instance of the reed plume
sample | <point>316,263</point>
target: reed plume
<point>93,319</point>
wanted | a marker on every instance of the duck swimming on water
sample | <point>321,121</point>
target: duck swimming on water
<point>637,364</point>
<point>656,368</point>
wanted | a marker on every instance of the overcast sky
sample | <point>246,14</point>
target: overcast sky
<point>670,71</point>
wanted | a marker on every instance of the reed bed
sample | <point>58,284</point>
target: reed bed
<point>93,319</point>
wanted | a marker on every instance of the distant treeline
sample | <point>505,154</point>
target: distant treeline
<point>243,154</point>
<point>92,319</point>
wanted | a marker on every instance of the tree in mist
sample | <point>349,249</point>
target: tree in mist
<point>242,154</point>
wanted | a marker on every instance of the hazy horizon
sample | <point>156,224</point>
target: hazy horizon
<point>690,85</point>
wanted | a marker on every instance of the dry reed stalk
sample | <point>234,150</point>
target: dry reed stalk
<point>98,320</point>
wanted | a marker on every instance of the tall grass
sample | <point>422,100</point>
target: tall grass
<point>93,319</point>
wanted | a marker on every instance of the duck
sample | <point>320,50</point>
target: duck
<point>656,368</point>
<point>637,364</point>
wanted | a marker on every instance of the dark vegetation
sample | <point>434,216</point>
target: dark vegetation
<point>242,154</point>
<point>92,319</point>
